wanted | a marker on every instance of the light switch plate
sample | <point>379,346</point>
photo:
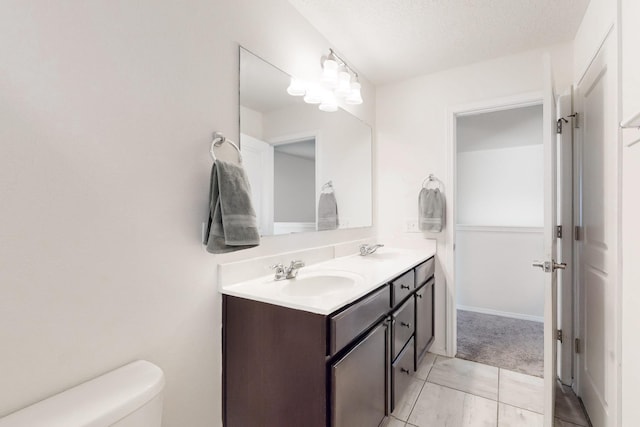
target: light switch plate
<point>411,226</point>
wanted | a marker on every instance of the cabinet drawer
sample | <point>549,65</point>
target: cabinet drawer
<point>425,270</point>
<point>348,324</point>
<point>403,326</point>
<point>401,374</point>
<point>402,287</point>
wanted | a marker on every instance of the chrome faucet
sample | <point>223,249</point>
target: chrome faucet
<point>369,249</point>
<point>283,273</point>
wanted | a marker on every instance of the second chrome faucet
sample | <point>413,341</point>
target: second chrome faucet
<point>283,273</point>
<point>369,249</point>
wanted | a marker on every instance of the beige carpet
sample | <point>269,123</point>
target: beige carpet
<point>504,342</point>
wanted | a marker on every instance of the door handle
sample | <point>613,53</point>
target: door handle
<point>559,265</point>
<point>548,267</point>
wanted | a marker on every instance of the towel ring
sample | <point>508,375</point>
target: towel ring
<point>432,179</point>
<point>217,141</point>
<point>327,186</point>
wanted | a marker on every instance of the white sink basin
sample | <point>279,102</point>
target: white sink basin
<point>317,284</point>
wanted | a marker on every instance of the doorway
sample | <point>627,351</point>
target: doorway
<point>499,230</point>
<point>546,393</point>
<point>282,173</point>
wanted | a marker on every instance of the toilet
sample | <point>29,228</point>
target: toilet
<point>130,396</point>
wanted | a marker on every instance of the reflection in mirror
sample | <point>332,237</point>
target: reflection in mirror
<point>294,184</point>
<point>291,149</point>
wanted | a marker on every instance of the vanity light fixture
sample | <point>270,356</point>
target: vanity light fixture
<point>338,80</point>
<point>296,87</point>
<point>329,102</point>
<point>313,94</point>
<point>330,72</point>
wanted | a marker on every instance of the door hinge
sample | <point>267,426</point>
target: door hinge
<point>559,231</point>
<point>577,345</point>
<point>577,233</point>
<point>559,335</point>
<point>559,122</point>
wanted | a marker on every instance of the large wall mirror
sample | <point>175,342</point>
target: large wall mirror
<point>309,170</point>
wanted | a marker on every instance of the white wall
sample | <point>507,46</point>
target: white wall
<point>499,183</point>
<point>514,127</point>
<point>106,114</point>
<point>502,187</point>
<point>294,188</point>
<point>412,131</point>
<point>494,274</point>
<point>630,67</point>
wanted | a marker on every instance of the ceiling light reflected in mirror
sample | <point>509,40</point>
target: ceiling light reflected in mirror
<point>338,81</point>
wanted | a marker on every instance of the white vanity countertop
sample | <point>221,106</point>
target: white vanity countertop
<point>362,274</point>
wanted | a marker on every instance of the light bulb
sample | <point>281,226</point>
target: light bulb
<point>355,97</point>
<point>344,84</point>
<point>329,102</point>
<point>329,74</point>
<point>296,87</point>
<point>313,95</point>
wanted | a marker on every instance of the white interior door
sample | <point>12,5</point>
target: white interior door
<point>598,240</point>
<point>565,245</point>
<point>257,158</point>
<point>549,264</point>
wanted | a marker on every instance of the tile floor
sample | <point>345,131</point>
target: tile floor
<point>448,392</point>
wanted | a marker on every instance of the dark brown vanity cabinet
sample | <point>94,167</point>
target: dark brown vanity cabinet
<point>285,367</point>
<point>274,365</point>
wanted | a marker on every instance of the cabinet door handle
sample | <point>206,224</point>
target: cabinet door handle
<point>418,296</point>
<point>406,325</point>
<point>405,287</point>
<point>406,371</point>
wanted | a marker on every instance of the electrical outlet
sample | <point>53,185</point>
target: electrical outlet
<point>411,226</point>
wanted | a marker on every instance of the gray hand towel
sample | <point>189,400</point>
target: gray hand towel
<point>232,220</point>
<point>431,210</point>
<point>328,212</point>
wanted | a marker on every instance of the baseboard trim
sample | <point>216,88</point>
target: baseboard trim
<point>501,313</point>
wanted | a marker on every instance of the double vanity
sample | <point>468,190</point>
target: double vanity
<point>335,346</point>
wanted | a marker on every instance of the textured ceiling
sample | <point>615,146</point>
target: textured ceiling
<point>389,40</point>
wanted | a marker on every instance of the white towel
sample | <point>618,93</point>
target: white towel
<point>431,210</point>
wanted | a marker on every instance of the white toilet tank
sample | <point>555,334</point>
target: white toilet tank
<point>130,396</point>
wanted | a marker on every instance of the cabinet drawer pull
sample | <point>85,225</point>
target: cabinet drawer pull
<point>405,287</point>
<point>406,371</point>
<point>406,325</point>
